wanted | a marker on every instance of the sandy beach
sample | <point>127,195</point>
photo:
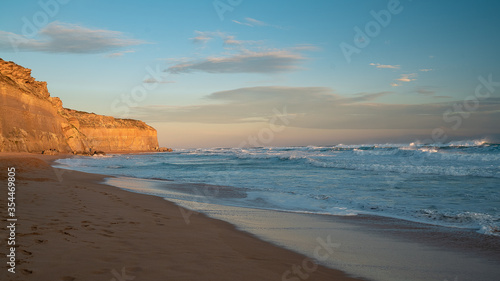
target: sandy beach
<point>70,227</point>
<point>373,247</point>
<point>250,140</point>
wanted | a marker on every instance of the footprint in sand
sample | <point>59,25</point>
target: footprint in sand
<point>26,271</point>
<point>86,225</point>
<point>107,233</point>
<point>66,233</point>
<point>28,234</point>
<point>27,252</point>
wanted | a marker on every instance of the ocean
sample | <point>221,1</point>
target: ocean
<point>454,185</point>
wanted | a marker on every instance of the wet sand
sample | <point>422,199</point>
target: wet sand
<point>373,247</point>
<point>71,227</point>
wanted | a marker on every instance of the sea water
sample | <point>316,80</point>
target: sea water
<point>455,184</point>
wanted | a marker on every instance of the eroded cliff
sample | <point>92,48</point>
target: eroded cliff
<point>106,133</point>
<point>32,121</point>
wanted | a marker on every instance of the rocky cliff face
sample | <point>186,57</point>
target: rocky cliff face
<point>106,133</point>
<point>32,121</point>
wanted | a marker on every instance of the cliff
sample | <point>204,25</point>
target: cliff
<point>32,121</point>
<point>106,133</point>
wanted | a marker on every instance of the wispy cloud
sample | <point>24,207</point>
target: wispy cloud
<point>426,69</point>
<point>429,91</point>
<point>313,107</point>
<point>425,92</point>
<point>242,23</point>
<point>378,65</point>
<point>119,54</point>
<point>256,22</point>
<point>203,37</point>
<point>407,77</point>
<point>404,78</point>
<point>231,40</point>
<point>255,104</point>
<point>241,56</point>
<point>253,23</point>
<point>59,37</point>
<point>154,81</point>
<point>305,47</point>
<point>244,62</point>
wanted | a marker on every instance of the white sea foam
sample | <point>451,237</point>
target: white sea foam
<point>455,184</point>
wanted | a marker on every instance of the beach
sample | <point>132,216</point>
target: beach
<point>372,247</point>
<point>250,140</point>
<point>71,227</point>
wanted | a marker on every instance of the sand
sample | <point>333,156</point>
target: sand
<point>373,247</point>
<point>71,227</point>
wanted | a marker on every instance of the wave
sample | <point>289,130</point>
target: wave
<point>484,223</point>
<point>470,143</point>
<point>338,179</point>
<point>423,160</point>
<point>410,169</point>
<point>481,159</point>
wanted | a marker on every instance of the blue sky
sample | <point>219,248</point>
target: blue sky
<point>215,73</point>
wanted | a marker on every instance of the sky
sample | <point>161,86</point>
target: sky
<point>229,73</point>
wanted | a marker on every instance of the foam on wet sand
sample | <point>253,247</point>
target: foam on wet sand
<point>71,227</point>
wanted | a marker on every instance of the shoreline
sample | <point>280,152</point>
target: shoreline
<point>72,227</point>
<point>411,250</point>
<point>156,184</point>
<point>118,180</point>
<point>459,221</point>
<point>370,246</point>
